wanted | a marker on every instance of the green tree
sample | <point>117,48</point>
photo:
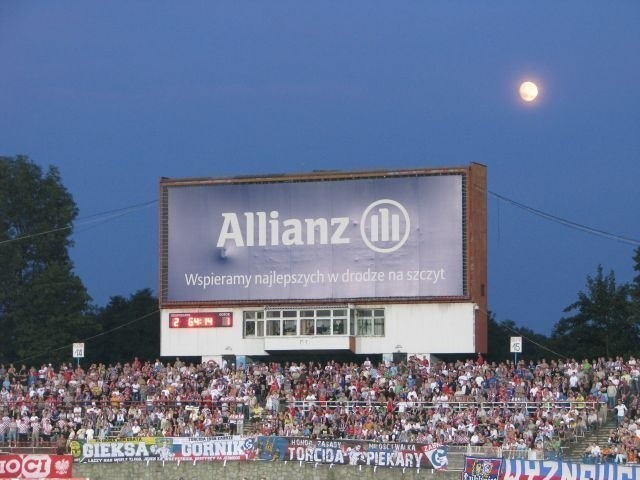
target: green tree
<point>634,288</point>
<point>498,348</point>
<point>132,329</point>
<point>603,323</point>
<point>43,304</point>
<point>500,334</point>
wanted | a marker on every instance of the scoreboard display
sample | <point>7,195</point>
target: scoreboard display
<point>201,320</point>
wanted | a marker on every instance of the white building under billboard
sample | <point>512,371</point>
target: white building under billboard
<point>375,262</point>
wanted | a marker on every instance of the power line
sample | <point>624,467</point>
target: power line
<point>565,222</point>
<point>109,215</point>
<point>520,334</point>
<point>106,216</point>
<point>94,219</point>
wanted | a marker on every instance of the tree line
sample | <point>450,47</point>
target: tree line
<point>45,307</point>
<point>604,321</point>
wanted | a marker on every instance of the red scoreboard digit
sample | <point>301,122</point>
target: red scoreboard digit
<point>201,320</point>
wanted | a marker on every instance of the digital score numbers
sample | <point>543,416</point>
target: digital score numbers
<point>201,320</point>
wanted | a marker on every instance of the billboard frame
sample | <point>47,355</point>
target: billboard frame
<point>474,241</point>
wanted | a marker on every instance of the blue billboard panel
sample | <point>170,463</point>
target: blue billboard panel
<point>314,240</point>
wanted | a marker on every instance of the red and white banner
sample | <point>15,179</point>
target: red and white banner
<point>437,455</point>
<point>36,466</point>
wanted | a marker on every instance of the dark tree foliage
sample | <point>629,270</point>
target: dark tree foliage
<point>500,334</point>
<point>603,324</point>
<point>634,288</point>
<point>132,329</point>
<point>43,304</point>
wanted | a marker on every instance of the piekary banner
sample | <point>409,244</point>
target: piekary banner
<point>345,452</point>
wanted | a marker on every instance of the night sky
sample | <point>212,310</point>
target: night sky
<point>118,94</point>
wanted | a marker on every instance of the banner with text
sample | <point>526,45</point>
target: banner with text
<point>271,448</point>
<point>352,238</point>
<point>552,470</point>
<point>163,448</point>
<point>351,452</point>
<point>35,466</point>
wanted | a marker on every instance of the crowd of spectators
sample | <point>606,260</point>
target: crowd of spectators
<point>472,402</point>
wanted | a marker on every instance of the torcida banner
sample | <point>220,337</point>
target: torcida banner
<point>329,239</point>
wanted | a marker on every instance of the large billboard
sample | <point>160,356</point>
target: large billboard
<point>314,238</point>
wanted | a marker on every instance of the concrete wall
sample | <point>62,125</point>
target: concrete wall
<point>248,471</point>
<point>416,327</point>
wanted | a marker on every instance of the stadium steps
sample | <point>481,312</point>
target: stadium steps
<point>115,431</point>
<point>575,452</point>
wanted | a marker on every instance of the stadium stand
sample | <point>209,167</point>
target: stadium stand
<point>529,407</point>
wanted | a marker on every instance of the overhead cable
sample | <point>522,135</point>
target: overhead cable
<point>565,222</point>
<point>96,218</point>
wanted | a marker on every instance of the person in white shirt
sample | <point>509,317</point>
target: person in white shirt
<point>621,411</point>
<point>595,451</point>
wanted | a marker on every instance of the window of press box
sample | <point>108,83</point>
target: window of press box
<point>254,324</point>
<point>370,322</point>
<point>311,322</point>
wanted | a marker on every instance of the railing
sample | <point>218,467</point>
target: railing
<point>232,402</point>
<point>511,405</point>
<point>247,421</point>
<point>48,447</point>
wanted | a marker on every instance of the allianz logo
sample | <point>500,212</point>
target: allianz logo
<point>384,228</point>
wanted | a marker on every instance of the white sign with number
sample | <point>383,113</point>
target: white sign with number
<point>516,344</point>
<point>78,350</point>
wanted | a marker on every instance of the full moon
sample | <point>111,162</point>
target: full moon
<point>528,91</point>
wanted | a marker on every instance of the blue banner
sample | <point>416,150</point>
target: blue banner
<point>350,452</point>
<point>552,470</point>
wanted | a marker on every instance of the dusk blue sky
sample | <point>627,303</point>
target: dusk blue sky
<point>118,94</point>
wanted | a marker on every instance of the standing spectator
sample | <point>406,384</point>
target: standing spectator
<point>35,430</point>
<point>61,445</point>
<point>13,432</point>
<point>4,428</point>
<point>23,430</point>
<point>135,392</point>
<point>47,429</point>
<point>621,410</point>
<point>612,393</point>
<point>69,437</point>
